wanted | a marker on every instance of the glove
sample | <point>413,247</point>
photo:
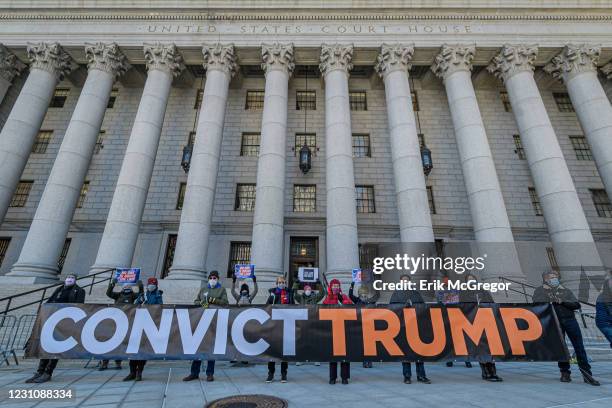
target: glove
<point>254,278</point>
<point>352,285</point>
<point>211,300</point>
<point>234,279</point>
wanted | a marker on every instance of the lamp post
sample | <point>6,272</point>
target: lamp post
<point>305,159</point>
<point>426,159</point>
<point>186,160</point>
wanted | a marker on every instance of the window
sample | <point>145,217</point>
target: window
<point>169,257</point>
<point>552,258</point>
<point>361,145</point>
<point>581,147</point>
<point>430,199</point>
<point>100,142</point>
<point>563,101</point>
<point>254,100</point>
<point>304,198</point>
<point>181,196</point>
<point>4,244</point>
<point>503,95</point>
<point>365,199</point>
<point>240,253</point>
<point>64,254</point>
<point>59,97</point>
<point>415,101</point>
<point>421,137</point>
<point>198,100</point>
<point>358,100</point>
<point>245,197</point>
<point>310,139</point>
<point>602,203</point>
<point>21,194</point>
<point>250,144</point>
<point>83,195</point>
<point>367,253</point>
<point>535,201</point>
<point>42,141</point>
<point>112,99</point>
<point>518,147</point>
<point>306,100</point>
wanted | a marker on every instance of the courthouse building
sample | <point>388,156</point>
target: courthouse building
<point>187,136</point>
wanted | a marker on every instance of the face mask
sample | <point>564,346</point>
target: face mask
<point>212,282</point>
<point>281,286</point>
<point>308,292</point>
<point>335,290</point>
<point>70,281</point>
<point>151,288</point>
<point>554,282</point>
<point>363,298</point>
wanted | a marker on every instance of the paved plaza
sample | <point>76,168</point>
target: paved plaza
<point>526,385</point>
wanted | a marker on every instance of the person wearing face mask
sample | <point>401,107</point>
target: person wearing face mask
<point>336,297</point>
<point>480,296</point>
<point>279,295</point>
<point>603,309</point>
<point>409,298</point>
<point>69,292</point>
<point>211,294</point>
<point>126,296</point>
<point>363,299</point>
<point>152,296</point>
<point>565,304</point>
<point>244,297</point>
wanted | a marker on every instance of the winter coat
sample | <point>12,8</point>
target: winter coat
<point>603,315</point>
<point>304,299</point>
<point>336,299</point>
<point>357,300</point>
<point>122,298</point>
<point>208,295</point>
<point>406,297</point>
<point>563,300</point>
<point>67,294</point>
<point>153,298</point>
<point>275,296</point>
<point>244,301</point>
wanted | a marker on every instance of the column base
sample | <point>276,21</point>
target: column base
<point>33,273</point>
<point>187,273</point>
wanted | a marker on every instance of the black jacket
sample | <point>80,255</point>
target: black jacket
<point>274,297</point>
<point>72,294</point>
<point>562,299</point>
<point>406,297</point>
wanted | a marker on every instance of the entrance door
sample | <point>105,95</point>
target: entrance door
<point>304,251</point>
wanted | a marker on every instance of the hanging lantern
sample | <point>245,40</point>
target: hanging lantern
<point>186,160</point>
<point>426,159</point>
<point>305,159</point>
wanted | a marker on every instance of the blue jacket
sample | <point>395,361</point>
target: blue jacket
<point>153,298</point>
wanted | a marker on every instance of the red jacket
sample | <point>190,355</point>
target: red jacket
<point>333,299</point>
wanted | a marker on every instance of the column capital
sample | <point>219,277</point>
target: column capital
<point>277,56</point>
<point>453,58</point>
<point>607,70</point>
<point>164,57</point>
<point>393,57</point>
<point>107,58</point>
<point>220,57</point>
<point>573,60</point>
<point>513,59</point>
<point>10,66</point>
<point>336,56</point>
<point>50,57</point>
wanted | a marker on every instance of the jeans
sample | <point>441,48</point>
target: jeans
<point>407,370</point>
<point>47,365</point>
<point>196,365</point>
<point>345,370</point>
<point>571,327</point>
<point>272,367</point>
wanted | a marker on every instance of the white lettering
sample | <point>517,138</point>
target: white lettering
<point>47,340</point>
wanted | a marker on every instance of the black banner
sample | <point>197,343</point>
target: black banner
<point>299,333</point>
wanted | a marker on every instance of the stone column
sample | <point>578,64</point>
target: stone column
<point>10,67</point>
<point>567,225</point>
<point>410,191</point>
<point>489,216</point>
<point>576,66</point>
<point>123,223</point>
<point>49,65</point>
<point>268,220</point>
<point>341,232</point>
<point>196,217</point>
<point>606,82</point>
<point>45,239</point>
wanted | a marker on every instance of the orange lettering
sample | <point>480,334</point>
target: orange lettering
<point>517,337</point>
<point>338,317</point>
<point>386,336</point>
<point>412,333</point>
<point>484,322</point>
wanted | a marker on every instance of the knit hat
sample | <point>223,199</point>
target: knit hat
<point>213,274</point>
<point>152,281</point>
<point>243,287</point>
<point>307,285</point>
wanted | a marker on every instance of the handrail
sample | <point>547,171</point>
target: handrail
<point>523,285</point>
<point>9,299</point>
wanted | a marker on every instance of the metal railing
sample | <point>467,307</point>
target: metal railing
<point>14,334</point>
<point>10,300</point>
<point>523,291</point>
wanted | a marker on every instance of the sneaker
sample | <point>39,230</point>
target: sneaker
<point>191,377</point>
<point>407,380</point>
<point>345,381</point>
<point>283,378</point>
<point>270,378</point>
<point>424,380</point>
<point>31,379</point>
<point>299,363</point>
<point>565,377</point>
<point>130,377</point>
<point>43,378</point>
<point>317,364</point>
<point>210,378</point>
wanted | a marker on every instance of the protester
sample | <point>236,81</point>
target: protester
<point>126,296</point>
<point>244,297</point>
<point>488,369</point>
<point>69,292</point>
<point>410,298</point>
<point>279,295</point>
<point>336,297</point>
<point>363,299</point>
<point>152,296</point>
<point>450,297</point>
<point>565,303</point>
<point>603,309</point>
<point>211,294</point>
<point>307,297</point>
